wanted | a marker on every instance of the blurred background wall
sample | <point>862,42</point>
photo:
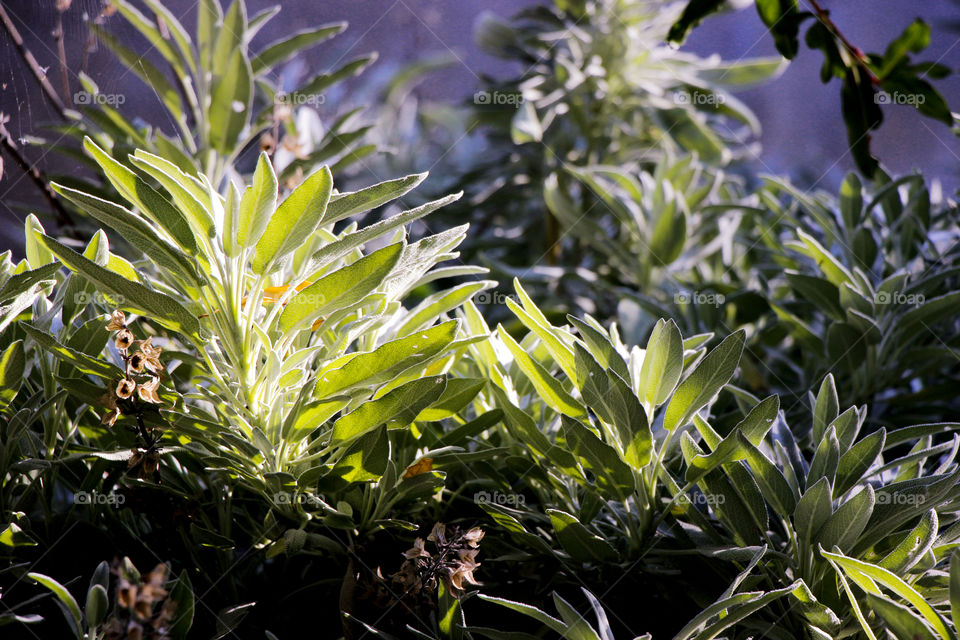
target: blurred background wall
<point>803,132</point>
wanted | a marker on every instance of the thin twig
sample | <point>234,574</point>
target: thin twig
<point>823,15</point>
<point>63,217</point>
<point>62,55</point>
<point>37,70</point>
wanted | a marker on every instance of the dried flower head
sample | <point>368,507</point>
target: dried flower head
<point>136,362</point>
<point>117,321</point>
<point>151,356</point>
<point>126,388</point>
<point>124,340</point>
<point>147,391</point>
<point>137,615</point>
<point>109,402</point>
<point>453,561</point>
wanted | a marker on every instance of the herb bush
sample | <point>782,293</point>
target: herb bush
<point>295,401</point>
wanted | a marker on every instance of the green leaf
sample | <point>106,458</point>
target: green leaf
<point>71,608</point>
<point>146,198</point>
<point>144,69</point>
<point>783,19</point>
<point>397,408</point>
<point>14,536</point>
<point>386,361</point>
<point>459,392</point>
<point>612,475</point>
<point>848,522</point>
<point>826,409</point>
<point>25,280</point>
<point>693,14</point>
<point>714,371</point>
<point>955,588</point>
<point>914,545</point>
<point>37,254</point>
<point>294,220</point>
<point>129,295</point>
<point>578,541</point>
<point>914,39</point>
<point>851,201</point>
<point>12,365</point>
<point>757,423</point>
<point>230,104</point>
<point>282,50</point>
<point>867,576</point>
<point>901,621</point>
<point>364,460</point>
<point>547,386</point>
<point>669,234</point>
<point>229,36</point>
<point>857,460</point>
<point>96,606</point>
<point>342,288</point>
<point>662,363</point>
<point>85,364</point>
<point>344,205</point>
<point>135,231</point>
<point>343,246</point>
<point>599,345</point>
<point>258,203</point>
<point>187,192</point>
<point>826,459</point>
<point>813,510</point>
<point>614,402</point>
<point>182,595</point>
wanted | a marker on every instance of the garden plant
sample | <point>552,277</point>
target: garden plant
<point>602,380</point>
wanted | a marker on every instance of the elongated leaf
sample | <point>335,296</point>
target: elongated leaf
<point>294,220</point>
<point>342,288</point>
<point>135,231</point>
<point>714,371</point>
<point>386,361</point>
<point>398,408</point>
<point>129,295</point>
<point>577,540</point>
<point>230,105</point>
<point>282,50</point>
<point>257,204</point>
<point>548,387</point>
<point>662,363</point>
<point>146,198</point>
<point>72,609</point>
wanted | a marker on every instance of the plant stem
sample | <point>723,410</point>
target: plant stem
<point>38,179</point>
<point>823,15</point>
<point>32,63</point>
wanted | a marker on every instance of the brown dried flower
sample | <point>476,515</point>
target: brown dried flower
<point>117,321</point>
<point>147,391</point>
<point>126,388</point>
<point>124,340</point>
<point>109,402</point>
